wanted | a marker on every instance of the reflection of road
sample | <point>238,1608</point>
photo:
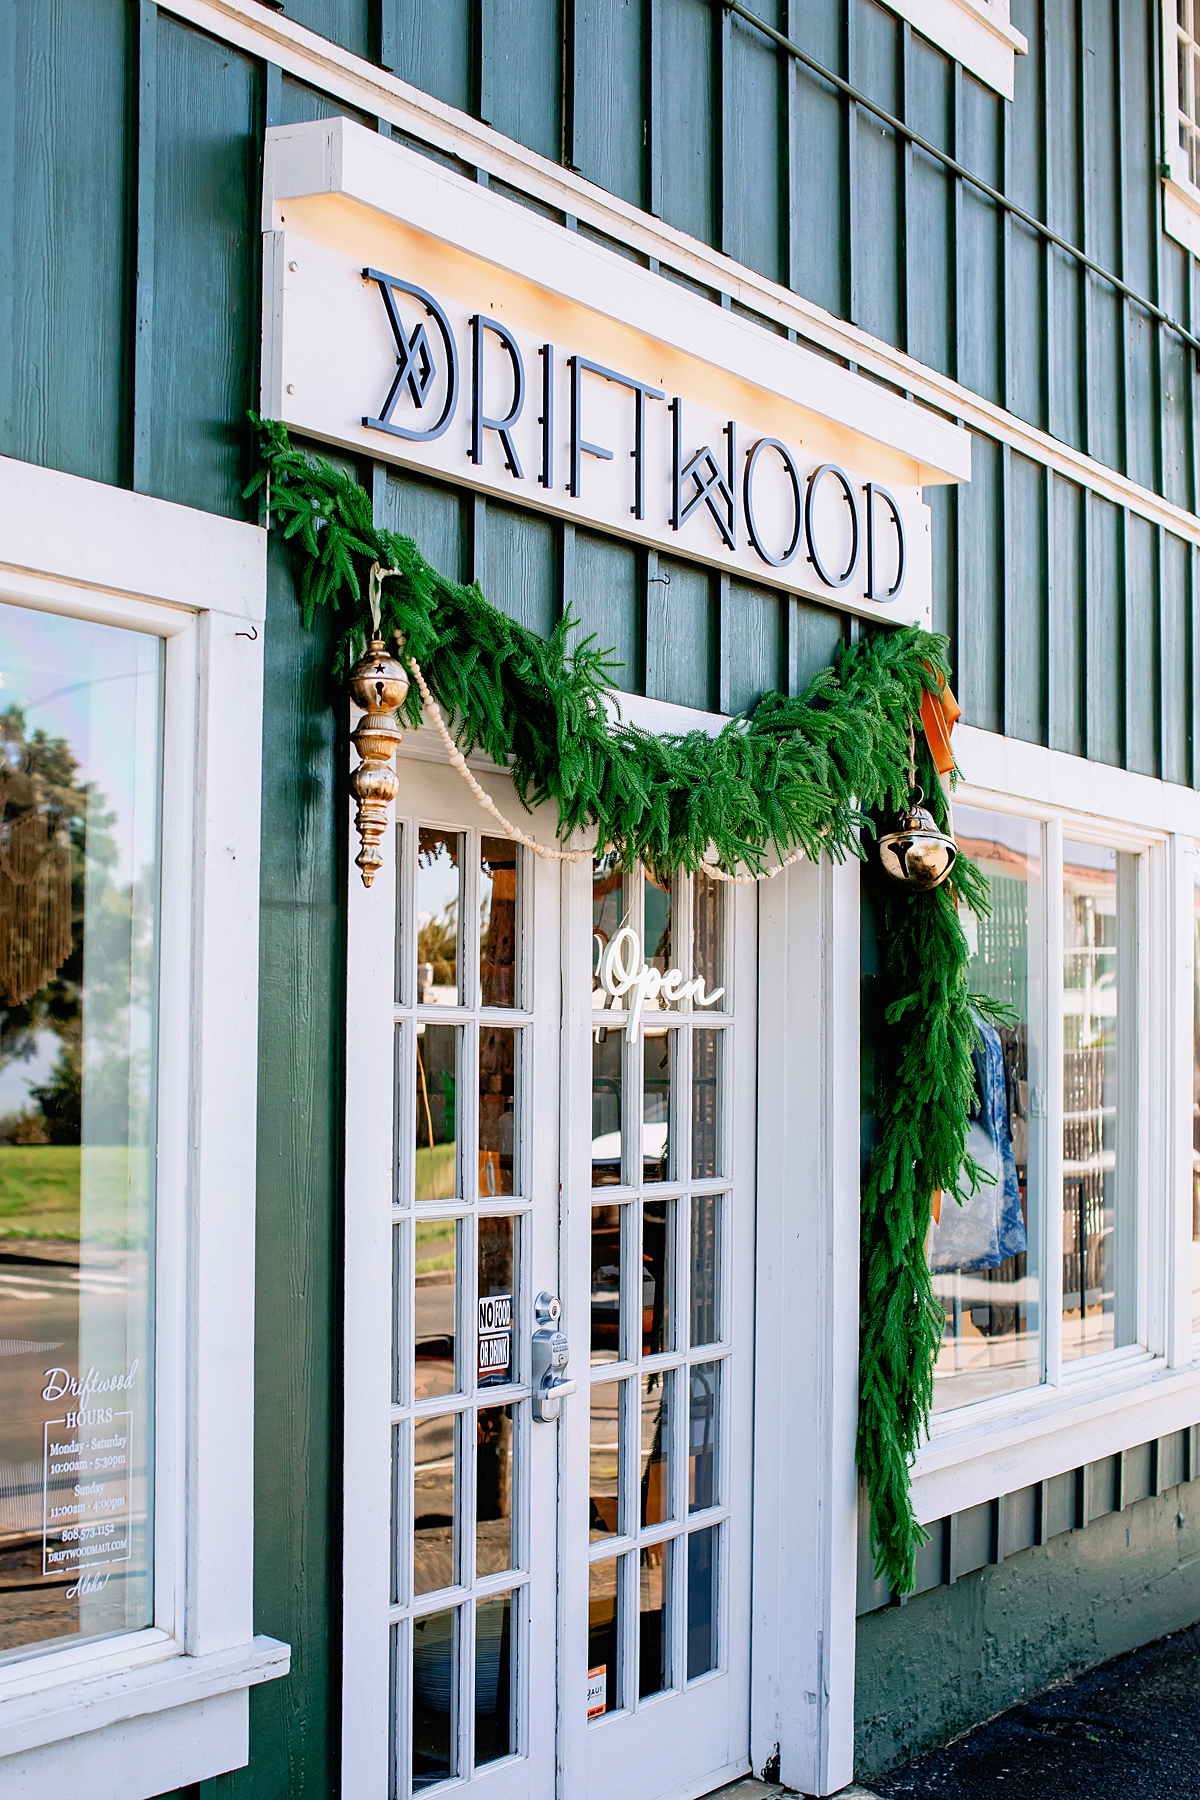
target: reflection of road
<point>435,1306</point>
<point>434,1504</point>
<point>435,1332</point>
<point>39,1307</point>
<point>605,1458</point>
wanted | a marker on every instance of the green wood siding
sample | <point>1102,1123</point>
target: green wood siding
<point>297,1500</point>
<point>346,22</point>
<point>66,78</point>
<point>204,327</point>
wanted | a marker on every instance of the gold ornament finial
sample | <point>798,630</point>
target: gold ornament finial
<point>379,685</point>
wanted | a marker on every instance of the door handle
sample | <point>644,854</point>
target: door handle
<point>551,1353</point>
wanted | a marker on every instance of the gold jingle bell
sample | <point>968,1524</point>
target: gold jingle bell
<point>917,853</point>
<point>378,683</point>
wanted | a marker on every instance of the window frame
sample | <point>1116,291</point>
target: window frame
<point>196,581</point>
<point>1181,196</point>
<point>979,34</point>
<point>1096,1404</point>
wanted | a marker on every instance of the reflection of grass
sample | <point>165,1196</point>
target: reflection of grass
<point>39,1192</point>
<point>435,1245</point>
<point>435,1173</point>
<point>432,1265</point>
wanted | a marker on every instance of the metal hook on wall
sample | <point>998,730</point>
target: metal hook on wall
<point>252,634</point>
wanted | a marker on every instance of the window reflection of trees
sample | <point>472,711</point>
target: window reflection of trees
<point>94,973</point>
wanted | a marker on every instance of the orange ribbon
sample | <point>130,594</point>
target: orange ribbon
<point>939,714</point>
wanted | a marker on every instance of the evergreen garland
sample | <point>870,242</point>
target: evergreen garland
<point>797,773</point>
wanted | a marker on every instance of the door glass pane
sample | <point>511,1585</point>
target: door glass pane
<point>703,1419</point>
<point>493,1679</point>
<point>702,1602</point>
<point>497,1109</point>
<point>497,922</point>
<point>80,740</point>
<point>605,1459</point>
<point>435,1305</point>
<point>705,1268</point>
<point>435,1502</point>
<point>434,1660</point>
<point>652,1618</point>
<point>608,905</point>
<point>706,1104</point>
<point>658,1056</point>
<point>708,908</point>
<point>604,1637</point>
<point>606,1282</point>
<point>656,938</point>
<point>497,1302</point>
<point>655,1490</point>
<point>493,1491</point>
<point>657,1276</point>
<point>606,1108</point>
<point>438,1061</point>
<point>439,863</point>
<point>1099,1095</point>
<point>983,1254</point>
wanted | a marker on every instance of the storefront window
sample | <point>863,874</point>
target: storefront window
<point>80,732</point>
<point>1099,1097</point>
<point>983,1254</point>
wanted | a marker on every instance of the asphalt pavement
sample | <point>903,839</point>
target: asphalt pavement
<point>1129,1730</point>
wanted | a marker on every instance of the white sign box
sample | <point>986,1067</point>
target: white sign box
<point>418,318</point>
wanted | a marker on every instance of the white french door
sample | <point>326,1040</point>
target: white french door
<point>534,1605</point>
<point>451,1232</point>
<point>659,1283</point>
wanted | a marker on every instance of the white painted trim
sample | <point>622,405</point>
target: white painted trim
<point>807,1314</point>
<point>78,547</point>
<point>1181,212</point>
<point>1179,1077</point>
<point>139,1758</point>
<point>1143,1401</point>
<point>1053,782</point>
<point>1181,198</point>
<point>106,538</point>
<point>1052,1141</point>
<point>313,59</point>
<point>371,1109</point>
<point>661,716</point>
<point>95,1704</point>
<point>976,33</point>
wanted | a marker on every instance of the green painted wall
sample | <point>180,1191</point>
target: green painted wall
<point>961,1653</point>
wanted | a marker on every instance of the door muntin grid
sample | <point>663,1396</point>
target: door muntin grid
<point>462,1290</point>
<point>659,1337</point>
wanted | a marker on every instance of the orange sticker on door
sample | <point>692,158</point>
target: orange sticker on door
<point>597,1691</point>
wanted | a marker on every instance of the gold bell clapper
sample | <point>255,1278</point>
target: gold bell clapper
<point>378,683</point>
